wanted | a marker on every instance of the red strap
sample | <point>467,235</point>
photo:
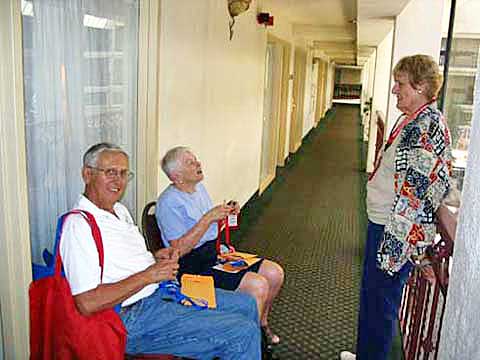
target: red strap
<point>219,233</point>
<point>227,234</point>
<point>397,128</point>
<point>97,236</point>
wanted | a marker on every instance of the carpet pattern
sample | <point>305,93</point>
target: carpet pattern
<point>312,221</point>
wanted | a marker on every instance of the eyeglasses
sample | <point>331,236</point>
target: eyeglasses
<point>114,173</point>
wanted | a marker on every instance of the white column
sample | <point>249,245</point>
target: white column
<point>418,30</point>
<point>461,323</point>
<point>15,258</point>
<point>148,157</point>
<point>381,83</point>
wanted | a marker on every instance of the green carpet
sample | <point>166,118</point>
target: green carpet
<point>312,221</point>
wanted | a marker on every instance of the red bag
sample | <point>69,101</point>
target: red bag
<point>57,329</point>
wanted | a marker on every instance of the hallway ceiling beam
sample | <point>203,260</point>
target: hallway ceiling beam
<point>333,25</point>
<point>375,19</point>
<point>332,45</point>
<point>324,33</point>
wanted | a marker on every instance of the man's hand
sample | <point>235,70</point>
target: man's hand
<point>163,269</point>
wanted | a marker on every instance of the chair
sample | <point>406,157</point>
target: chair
<point>150,229</point>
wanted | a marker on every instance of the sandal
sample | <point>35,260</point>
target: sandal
<point>269,336</point>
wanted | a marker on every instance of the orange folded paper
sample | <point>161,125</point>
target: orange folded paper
<point>243,255</point>
<point>199,287</point>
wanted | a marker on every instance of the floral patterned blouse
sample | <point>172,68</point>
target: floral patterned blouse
<point>423,163</point>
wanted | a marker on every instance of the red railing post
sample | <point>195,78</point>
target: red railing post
<point>420,315</point>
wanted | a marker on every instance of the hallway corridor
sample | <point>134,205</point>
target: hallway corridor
<point>312,221</point>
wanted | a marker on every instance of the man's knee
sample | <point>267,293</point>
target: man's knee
<point>245,298</point>
<point>250,305</point>
<point>248,334</point>
<point>237,302</point>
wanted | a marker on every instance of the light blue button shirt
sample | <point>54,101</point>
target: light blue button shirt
<point>177,212</point>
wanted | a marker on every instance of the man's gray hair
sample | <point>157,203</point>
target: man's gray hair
<point>90,158</point>
<point>170,160</point>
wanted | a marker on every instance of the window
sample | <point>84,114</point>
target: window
<point>80,77</point>
<point>463,64</point>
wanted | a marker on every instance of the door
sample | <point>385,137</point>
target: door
<point>321,84</point>
<point>296,123</point>
<point>282,149</point>
<point>270,115</point>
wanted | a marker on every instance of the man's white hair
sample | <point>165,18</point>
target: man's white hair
<point>90,158</point>
<point>171,160</point>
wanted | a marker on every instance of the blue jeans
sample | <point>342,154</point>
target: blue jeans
<point>231,331</point>
<point>380,297</point>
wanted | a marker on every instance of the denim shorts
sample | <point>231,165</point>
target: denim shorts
<point>231,331</point>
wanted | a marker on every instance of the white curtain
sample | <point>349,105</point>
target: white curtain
<point>80,71</point>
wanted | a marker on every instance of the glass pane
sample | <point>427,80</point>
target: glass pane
<point>464,61</point>
<point>80,77</point>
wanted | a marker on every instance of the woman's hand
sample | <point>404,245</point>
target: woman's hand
<point>428,273</point>
<point>219,212</point>
<point>167,253</point>
<point>235,207</point>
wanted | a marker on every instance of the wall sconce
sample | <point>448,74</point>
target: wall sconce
<point>235,8</point>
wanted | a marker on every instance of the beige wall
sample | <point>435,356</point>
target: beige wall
<point>350,76</point>
<point>368,75</point>
<point>466,18</point>
<point>211,93</point>
<point>329,78</point>
<point>330,84</point>
<point>408,40</point>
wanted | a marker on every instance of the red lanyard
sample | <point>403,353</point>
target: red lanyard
<point>227,235</point>
<point>397,128</point>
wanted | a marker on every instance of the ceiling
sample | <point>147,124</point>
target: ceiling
<point>347,31</point>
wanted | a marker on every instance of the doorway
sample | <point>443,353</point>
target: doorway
<point>296,123</point>
<point>271,102</point>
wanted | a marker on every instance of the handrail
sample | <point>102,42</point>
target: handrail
<point>423,301</point>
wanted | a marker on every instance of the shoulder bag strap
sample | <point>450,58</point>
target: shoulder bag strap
<point>97,236</point>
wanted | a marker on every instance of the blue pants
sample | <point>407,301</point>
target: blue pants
<point>380,297</point>
<point>230,332</point>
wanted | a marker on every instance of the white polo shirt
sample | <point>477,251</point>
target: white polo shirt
<point>124,248</point>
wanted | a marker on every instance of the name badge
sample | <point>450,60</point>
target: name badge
<point>232,220</point>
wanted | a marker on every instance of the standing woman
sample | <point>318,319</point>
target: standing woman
<point>410,180</point>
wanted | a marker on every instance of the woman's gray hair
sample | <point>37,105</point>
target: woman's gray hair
<point>421,69</point>
<point>90,158</point>
<point>170,160</point>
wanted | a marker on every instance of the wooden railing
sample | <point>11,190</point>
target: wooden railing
<point>423,302</point>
